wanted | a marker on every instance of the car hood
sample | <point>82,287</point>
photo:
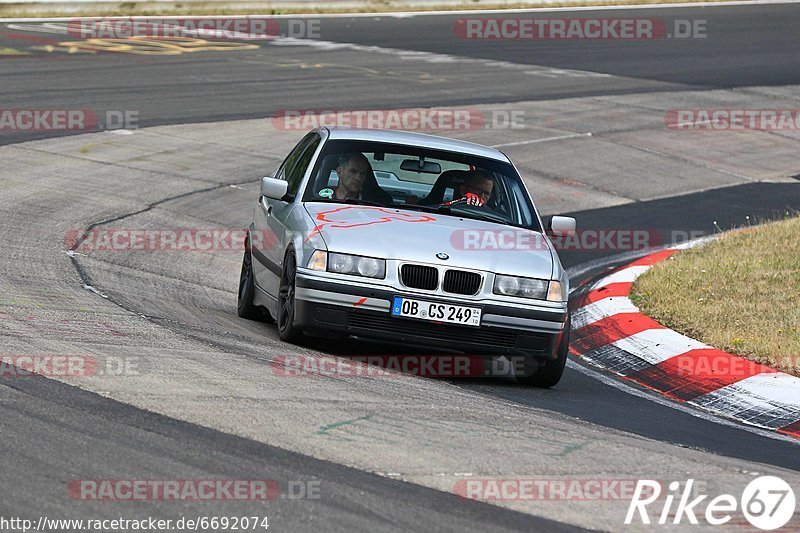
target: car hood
<point>418,237</point>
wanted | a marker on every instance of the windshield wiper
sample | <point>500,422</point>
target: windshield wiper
<point>441,208</point>
<point>448,210</point>
<point>480,215</point>
<point>429,208</point>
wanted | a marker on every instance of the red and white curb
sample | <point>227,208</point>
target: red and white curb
<point>609,331</point>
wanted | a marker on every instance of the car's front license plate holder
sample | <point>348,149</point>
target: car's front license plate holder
<point>439,312</point>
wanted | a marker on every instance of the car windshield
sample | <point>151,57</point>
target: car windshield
<point>421,179</point>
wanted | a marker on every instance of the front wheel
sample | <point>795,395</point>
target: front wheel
<point>549,374</point>
<point>286,301</point>
<point>245,307</point>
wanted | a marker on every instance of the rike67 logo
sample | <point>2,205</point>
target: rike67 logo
<point>767,502</point>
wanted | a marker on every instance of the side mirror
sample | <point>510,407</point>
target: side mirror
<point>273,188</point>
<point>562,226</point>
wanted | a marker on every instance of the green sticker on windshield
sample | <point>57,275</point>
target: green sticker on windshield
<point>326,193</point>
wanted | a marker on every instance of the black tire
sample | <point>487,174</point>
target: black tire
<point>245,307</point>
<point>549,374</point>
<point>286,301</point>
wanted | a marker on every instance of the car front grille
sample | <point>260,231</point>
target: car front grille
<point>419,277</point>
<point>461,282</point>
<point>415,328</point>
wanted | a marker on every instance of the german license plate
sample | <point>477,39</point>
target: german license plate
<point>436,312</point>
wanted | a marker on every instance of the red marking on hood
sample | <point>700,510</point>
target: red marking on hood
<point>382,215</point>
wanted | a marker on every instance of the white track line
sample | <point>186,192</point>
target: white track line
<point>407,14</point>
<point>546,139</point>
<point>438,58</point>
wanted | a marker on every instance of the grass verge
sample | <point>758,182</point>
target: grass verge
<point>739,293</point>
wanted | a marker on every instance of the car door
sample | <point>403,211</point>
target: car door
<point>272,215</point>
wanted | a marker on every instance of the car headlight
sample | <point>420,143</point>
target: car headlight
<point>520,287</point>
<point>356,265</point>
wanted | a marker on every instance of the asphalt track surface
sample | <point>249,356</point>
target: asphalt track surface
<point>745,46</point>
<point>55,432</point>
<point>43,421</point>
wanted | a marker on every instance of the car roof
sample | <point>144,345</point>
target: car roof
<point>416,139</point>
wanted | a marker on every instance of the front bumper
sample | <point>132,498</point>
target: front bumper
<point>326,307</point>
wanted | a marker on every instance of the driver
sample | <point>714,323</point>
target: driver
<point>352,171</point>
<point>476,188</point>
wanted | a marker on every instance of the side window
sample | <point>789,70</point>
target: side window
<point>295,175</point>
<point>294,155</point>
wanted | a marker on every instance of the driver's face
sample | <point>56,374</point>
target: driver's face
<point>481,186</point>
<point>352,174</point>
